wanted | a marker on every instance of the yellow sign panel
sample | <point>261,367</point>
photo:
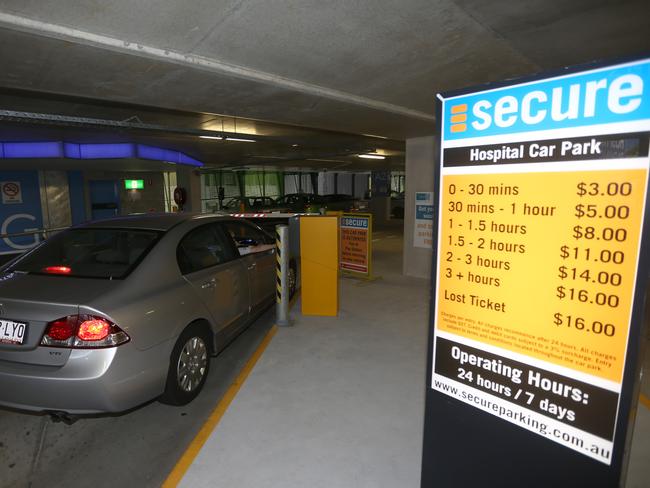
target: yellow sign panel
<point>543,264</point>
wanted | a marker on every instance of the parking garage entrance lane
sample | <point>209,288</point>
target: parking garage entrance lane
<point>333,402</point>
<point>338,402</point>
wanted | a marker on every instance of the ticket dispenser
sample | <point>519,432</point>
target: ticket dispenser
<point>319,265</point>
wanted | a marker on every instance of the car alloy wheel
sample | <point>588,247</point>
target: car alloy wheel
<point>189,365</point>
<point>192,364</point>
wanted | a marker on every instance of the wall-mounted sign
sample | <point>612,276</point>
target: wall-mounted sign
<point>134,184</point>
<point>355,233</point>
<point>24,215</point>
<point>539,274</point>
<point>423,228</point>
<point>11,192</point>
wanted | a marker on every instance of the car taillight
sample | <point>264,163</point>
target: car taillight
<point>62,329</point>
<point>94,330</point>
<point>83,332</point>
<point>65,270</point>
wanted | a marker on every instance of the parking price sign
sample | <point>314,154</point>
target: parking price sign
<point>355,240</point>
<point>539,270</point>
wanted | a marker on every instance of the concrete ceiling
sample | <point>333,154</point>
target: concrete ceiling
<point>357,66</point>
<point>25,116</point>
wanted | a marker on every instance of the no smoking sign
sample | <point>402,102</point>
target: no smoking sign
<point>11,192</point>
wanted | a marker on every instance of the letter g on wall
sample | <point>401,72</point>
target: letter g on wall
<point>5,226</point>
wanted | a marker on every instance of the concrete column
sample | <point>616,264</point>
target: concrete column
<point>344,183</point>
<point>325,183</point>
<point>360,185</point>
<point>419,177</point>
<point>190,179</point>
<point>380,210</point>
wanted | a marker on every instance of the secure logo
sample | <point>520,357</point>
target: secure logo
<point>615,94</point>
<point>459,118</point>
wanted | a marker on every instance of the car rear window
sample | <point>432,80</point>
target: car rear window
<point>90,253</point>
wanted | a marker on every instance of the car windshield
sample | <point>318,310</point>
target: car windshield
<point>233,203</point>
<point>262,202</point>
<point>89,253</point>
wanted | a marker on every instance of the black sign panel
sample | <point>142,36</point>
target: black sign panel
<point>540,270</point>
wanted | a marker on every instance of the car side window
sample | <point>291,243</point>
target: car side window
<point>203,247</point>
<point>248,238</point>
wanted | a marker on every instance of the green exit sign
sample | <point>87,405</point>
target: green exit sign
<point>134,184</point>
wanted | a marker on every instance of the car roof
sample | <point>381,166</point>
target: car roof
<point>151,221</point>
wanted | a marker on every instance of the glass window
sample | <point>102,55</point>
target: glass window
<point>211,182</point>
<point>248,237</point>
<point>262,183</point>
<point>90,253</point>
<point>203,247</point>
<point>235,204</point>
<point>262,203</point>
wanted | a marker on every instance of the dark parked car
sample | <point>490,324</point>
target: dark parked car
<point>332,202</point>
<point>296,202</point>
<point>107,315</point>
<point>252,204</point>
<point>397,204</point>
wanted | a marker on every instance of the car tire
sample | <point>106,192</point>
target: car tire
<point>188,366</point>
<point>292,279</point>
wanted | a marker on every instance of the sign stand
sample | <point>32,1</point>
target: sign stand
<point>540,273</point>
<point>355,231</point>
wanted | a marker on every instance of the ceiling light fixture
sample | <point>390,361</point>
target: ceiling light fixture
<point>211,137</point>
<point>371,156</point>
<point>237,139</point>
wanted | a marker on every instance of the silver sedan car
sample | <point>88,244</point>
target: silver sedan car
<point>108,315</point>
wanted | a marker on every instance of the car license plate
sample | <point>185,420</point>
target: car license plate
<point>12,332</point>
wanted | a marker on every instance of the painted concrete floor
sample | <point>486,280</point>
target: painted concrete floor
<point>332,402</point>
<point>339,402</point>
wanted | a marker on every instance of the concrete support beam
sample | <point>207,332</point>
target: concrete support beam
<point>326,183</point>
<point>380,209</point>
<point>360,185</point>
<point>190,179</point>
<point>344,183</point>
<point>419,177</point>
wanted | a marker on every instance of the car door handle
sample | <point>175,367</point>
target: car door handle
<point>252,266</point>
<point>209,284</point>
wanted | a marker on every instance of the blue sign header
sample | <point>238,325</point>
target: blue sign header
<point>619,93</point>
<point>356,222</point>
<point>424,212</point>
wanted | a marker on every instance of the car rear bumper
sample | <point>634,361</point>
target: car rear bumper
<point>92,381</point>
